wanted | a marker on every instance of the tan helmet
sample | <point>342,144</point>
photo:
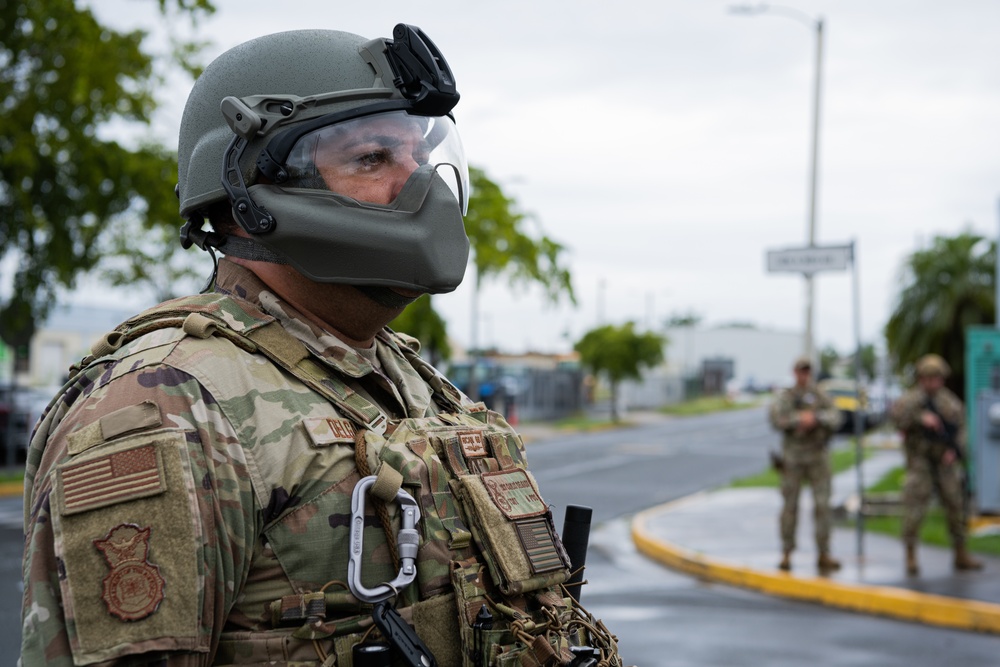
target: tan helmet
<point>932,364</point>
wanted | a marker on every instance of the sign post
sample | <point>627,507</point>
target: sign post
<point>808,261</point>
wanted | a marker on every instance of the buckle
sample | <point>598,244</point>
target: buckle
<point>408,541</point>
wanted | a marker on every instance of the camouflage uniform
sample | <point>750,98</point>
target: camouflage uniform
<point>188,500</point>
<point>924,470</point>
<point>805,459</point>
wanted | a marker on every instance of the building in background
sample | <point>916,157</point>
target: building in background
<point>754,359</point>
<point>64,338</point>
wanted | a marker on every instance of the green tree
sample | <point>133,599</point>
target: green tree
<point>70,88</point>
<point>619,353</point>
<point>869,362</point>
<point>502,247</point>
<point>944,289</point>
<point>828,358</point>
<point>688,319</point>
<point>422,322</point>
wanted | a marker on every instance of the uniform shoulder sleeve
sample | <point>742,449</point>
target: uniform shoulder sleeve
<point>140,519</point>
<point>905,412</point>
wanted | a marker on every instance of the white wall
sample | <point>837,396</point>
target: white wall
<point>759,355</point>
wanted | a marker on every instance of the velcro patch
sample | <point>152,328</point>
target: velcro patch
<point>114,478</point>
<point>473,445</point>
<point>539,545</point>
<point>513,493</point>
<point>324,432</point>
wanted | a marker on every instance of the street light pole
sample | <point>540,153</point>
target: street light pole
<point>810,283</point>
<point>817,25</point>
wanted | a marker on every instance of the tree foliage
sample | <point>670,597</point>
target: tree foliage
<point>619,353</point>
<point>500,245</point>
<point>944,289</point>
<point>688,319</point>
<point>69,88</point>
<point>828,358</point>
<point>422,322</point>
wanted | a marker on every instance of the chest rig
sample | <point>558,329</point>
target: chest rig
<point>445,523</point>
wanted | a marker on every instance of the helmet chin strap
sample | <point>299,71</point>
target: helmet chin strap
<point>385,296</point>
<point>244,248</point>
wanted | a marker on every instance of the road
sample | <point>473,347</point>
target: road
<point>663,619</point>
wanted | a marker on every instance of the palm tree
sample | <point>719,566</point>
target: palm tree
<point>945,288</point>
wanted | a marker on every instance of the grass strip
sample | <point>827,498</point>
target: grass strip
<point>841,459</point>
<point>705,405</point>
<point>933,530</point>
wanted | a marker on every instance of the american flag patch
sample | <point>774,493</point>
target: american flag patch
<point>114,478</point>
<point>539,545</point>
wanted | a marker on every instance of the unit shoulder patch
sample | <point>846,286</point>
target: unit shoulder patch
<point>133,588</point>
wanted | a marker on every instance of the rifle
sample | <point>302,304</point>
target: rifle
<point>949,437</point>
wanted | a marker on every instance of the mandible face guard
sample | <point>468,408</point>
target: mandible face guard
<point>363,187</point>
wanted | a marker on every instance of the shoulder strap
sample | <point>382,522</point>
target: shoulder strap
<point>442,389</point>
<point>250,329</point>
<point>291,354</point>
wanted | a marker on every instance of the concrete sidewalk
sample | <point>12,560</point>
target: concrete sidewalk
<point>731,536</point>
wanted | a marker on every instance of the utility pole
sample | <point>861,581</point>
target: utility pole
<point>809,347</point>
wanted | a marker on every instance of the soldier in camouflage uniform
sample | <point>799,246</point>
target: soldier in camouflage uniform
<point>932,420</point>
<point>264,473</point>
<point>807,418</point>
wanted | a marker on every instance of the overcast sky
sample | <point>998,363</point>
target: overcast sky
<point>667,144</point>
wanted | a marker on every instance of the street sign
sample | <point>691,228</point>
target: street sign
<point>811,259</point>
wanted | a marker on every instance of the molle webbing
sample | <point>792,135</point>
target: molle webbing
<point>254,331</point>
<point>292,355</point>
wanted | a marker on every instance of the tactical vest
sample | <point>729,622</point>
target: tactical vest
<point>489,564</point>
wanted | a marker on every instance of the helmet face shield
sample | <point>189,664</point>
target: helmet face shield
<point>370,158</point>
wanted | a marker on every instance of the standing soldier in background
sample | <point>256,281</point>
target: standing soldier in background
<point>932,420</point>
<point>806,418</point>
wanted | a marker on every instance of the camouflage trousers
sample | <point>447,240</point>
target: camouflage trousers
<point>815,471</point>
<point>921,481</point>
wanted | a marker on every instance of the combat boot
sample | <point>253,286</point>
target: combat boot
<point>786,561</point>
<point>827,563</point>
<point>963,561</point>
<point>912,568</point>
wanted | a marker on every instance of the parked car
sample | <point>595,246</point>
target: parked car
<point>20,409</point>
<point>844,393</point>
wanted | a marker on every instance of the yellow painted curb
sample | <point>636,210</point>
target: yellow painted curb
<point>11,488</point>
<point>878,600</point>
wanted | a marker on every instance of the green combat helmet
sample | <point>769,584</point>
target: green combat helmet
<point>261,114</point>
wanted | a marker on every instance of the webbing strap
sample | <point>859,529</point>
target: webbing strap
<point>442,390</point>
<point>270,339</point>
<point>291,354</point>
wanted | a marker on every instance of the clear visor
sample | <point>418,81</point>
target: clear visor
<point>370,158</point>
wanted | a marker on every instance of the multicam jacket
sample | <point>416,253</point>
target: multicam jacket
<point>784,416</point>
<point>918,441</point>
<point>188,500</point>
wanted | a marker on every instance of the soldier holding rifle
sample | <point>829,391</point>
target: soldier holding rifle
<point>932,420</point>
